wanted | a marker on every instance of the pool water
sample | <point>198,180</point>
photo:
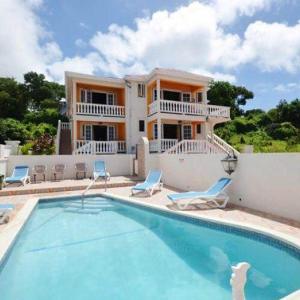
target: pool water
<point>111,250</point>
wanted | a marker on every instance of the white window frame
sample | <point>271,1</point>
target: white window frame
<point>155,131</point>
<point>190,126</point>
<point>141,90</point>
<point>114,138</point>
<point>154,94</point>
<point>84,129</point>
<point>197,97</point>
<point>189,96</point>
<point>86,96</point>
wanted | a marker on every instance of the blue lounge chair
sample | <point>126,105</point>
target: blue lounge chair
<point>20,175</point>
<point>214,193</point>
<point>152,182</point>
<point>100,170</point>
<point>4,210</point>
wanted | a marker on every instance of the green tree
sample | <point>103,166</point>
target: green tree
<point>13,101</point>
<point>11,129</point>
<point>41,92</point>
<point>224,93</point>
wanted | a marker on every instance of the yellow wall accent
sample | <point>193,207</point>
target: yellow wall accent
<point>120,93</point>
<point>150,129</point>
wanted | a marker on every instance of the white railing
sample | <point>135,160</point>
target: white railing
<point>221,144</point>
<point>177,107</point>
<point>100,109</point>
<point>65,125</point>
<point>164,145</point>
<point>99,147</point>
<point>193,146</point>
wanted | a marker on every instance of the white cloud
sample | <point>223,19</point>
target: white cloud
<point>195,37</point>
<point>287,87</point>
<point>23,40</point>
<point>272,46</point>
<point>80,43</point>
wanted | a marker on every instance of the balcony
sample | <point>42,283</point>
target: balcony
<point>99,147</point>
<point>186,108</point>
<point>100,110</point>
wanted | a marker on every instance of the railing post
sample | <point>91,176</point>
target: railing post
<point>238,280</point>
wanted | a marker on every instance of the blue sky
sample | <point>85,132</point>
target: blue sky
<point>255,43</point>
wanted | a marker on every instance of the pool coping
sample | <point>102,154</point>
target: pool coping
<point>10,234</point>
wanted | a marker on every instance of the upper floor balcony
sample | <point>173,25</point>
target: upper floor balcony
<point>188,108</point>
<point>100,110</point>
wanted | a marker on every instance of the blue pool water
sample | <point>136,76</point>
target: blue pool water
<point>112,250</point>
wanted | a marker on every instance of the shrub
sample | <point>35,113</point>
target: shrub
<point>26,148</point>
<point>283,131</point>
<point>44,145</point>
<point>11,129</point>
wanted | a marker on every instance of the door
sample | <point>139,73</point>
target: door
<point>187,132</point>
<point>198,131</point>
<point>99,98</point>
<point>100,133</point>
<point>170,131</point>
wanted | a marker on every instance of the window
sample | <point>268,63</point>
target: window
<point>141,125</point>
<point>198,128</point>
<point>154,97</point>
<point>199,97</point>
<point>155,134</point>
<point>141,90</point>
<point>87,132</point>
<point>187,132</point>
<point>186,97</point>
<point>110,99</point>
<point>82,95</point>
<point>111,133</point>
<point>171,95</point>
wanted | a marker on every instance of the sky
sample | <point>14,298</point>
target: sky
<point>253,43</point>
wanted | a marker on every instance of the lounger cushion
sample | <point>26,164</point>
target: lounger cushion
<point>5,207</point>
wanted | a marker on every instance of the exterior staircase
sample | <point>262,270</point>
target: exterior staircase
<point>63,139</point>
<point>212,145</point>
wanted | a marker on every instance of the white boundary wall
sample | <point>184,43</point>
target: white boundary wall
<point>265,182</point>
<point>117,164</point>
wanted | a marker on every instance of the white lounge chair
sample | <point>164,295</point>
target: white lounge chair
<point>214,194</point>
<point>80,168</point>
<point>20,175</point>
<point>152,182</point>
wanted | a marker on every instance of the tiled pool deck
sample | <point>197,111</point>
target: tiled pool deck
<point>242,217</point>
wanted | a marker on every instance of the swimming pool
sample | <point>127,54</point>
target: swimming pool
<point>112,250</point>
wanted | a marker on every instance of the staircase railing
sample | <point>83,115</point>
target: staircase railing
<point>221,144</point>
<point>193,146</point>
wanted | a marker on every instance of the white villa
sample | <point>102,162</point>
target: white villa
<point>170,107</point>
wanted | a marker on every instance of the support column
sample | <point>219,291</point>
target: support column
<point>74,137</point>
<point>158,89</point>
<point>159,134</point>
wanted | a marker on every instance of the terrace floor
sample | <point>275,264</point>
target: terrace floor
<point>235,215</point>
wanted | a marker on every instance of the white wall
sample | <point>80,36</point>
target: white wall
<point>136,109</point>
<point>266,182</point>
<point>117,164</point>
<point>3,164</point>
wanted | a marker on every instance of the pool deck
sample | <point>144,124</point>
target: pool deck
<point>281,228</point>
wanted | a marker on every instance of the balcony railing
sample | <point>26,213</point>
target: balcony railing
<point>165,144</point>
<point>185,108</point>
<point>100,110</point>
<point>99,147</point>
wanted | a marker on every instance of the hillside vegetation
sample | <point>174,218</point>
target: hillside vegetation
<point>277,130</point>
<point>29,112</point>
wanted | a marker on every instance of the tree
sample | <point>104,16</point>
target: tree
<point>39,90</point>
<point>11,129</point>
<point>13,102</point>
<point>224,93</point>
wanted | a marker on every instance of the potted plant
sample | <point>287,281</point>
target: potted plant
<point>1,181</point>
